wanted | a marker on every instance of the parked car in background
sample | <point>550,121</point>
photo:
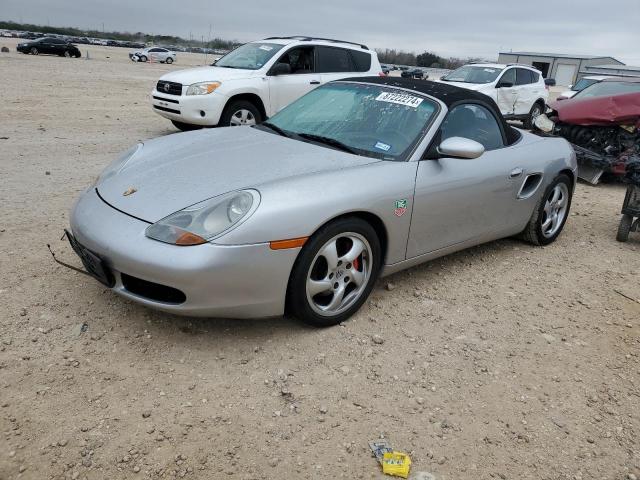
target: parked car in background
<point>580,85</point>
<point>254,81</point>
<point>51,46</point>
<point>359,178</point>
<point>519,90</point>
<point>414,73</point>
<point>155,54</point>
<point>385,69</point>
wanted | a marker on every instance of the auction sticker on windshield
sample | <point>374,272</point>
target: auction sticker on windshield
<point>400,99</point>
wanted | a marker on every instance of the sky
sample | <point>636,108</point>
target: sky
<point>460,28</point>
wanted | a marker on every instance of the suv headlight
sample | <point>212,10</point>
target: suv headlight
<point>206,220</point>
<point>203,88</point>
<point>118,164</point>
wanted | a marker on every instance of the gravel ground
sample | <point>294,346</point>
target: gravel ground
<point>505,361</point>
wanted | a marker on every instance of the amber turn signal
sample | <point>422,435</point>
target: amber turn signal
<point>289,243</point>
<point>188,238</point>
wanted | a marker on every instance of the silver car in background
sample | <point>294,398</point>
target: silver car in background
<point>357,179</point>
<point>154,54</point>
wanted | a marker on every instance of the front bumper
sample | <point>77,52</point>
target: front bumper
<point>240,281</point>
<point>193,109</point>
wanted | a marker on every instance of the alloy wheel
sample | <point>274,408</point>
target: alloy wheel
<point>555,210</point>
<point>339,274</point>
<point>242,117</point>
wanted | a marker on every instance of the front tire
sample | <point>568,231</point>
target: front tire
<point>334,273</point>
<point>185,127</point>
<point>34,51</point>
<point>169,61</point>
<point>67,53</point>
<point>551,212</point>
<point>143,58</point>
<point>624,228</point>
<point>536,110</point>
<point>240,113</point>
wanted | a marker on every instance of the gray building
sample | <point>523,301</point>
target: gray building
<point>566,69</point>
<point>615,70</point>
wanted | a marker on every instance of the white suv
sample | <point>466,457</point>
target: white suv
<point>256,80</point>
<point>519,90</point>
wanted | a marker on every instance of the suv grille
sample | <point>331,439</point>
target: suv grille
<point>170,88</point>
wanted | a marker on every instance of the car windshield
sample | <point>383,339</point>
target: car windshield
<point>251,56</point>
<point>371,120</point>
<point>603,89</point>
<point>473,74</point>
<point>582,84</point>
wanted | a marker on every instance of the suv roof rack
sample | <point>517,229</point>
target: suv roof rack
<point>304,38</point>
<point>523,65</point>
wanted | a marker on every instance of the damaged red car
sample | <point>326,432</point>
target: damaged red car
<point>602,122</point>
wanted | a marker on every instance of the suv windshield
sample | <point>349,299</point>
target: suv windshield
<point>602,89</point>
<point>371,120</point>
<point>251,56</point>
<point>473,74</point>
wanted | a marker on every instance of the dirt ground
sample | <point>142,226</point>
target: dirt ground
<point>506,361</point>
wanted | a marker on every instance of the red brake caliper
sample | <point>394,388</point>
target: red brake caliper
<point>356,264</point>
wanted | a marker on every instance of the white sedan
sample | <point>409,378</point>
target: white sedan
<point>155,54</point>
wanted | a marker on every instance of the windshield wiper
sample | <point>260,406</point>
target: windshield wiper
<point>276,129</point>
<point>332,142</point>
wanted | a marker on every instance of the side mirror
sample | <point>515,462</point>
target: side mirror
<point>504,85</point>
<point>281,69</point>
<point>550,82</point>
<point>459,147</point>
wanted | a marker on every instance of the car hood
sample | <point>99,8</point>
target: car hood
<point>207,74</point>
<point>179,170</point>
<point>622,109</point>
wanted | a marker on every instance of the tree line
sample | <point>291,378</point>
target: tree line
<point>425,59</point>
<point>218,43</point>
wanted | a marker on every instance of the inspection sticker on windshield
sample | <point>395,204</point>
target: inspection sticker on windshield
<point>400,99</point>
<point>266,48</point>
<point>382,146</point>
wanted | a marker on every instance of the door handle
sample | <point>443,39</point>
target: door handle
<point>516,172</point>
<point>314,82</point>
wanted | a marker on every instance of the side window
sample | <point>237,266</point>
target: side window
<point>333,60</point>
<point>299,59</point>
<point>508,77</point>
<point>361,60</point>
<point>475,122</point>
<point>535,77</point>
<point>523,76</point>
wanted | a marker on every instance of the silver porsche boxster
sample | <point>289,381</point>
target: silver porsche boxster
<point>357,179</point>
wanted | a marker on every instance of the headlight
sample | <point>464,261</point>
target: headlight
<point>203,88</point>
<point>118,164</point>
<point>206,220</point>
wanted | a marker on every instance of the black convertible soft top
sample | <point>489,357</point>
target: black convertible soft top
<point>450,95</point>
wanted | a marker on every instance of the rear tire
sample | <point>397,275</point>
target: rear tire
<point>624,228</point>
<point>240,112</point>
<point>537,109</point>
<point>185,127</point>
<point>345,286</point>
<point>67,53</point>
<point>538,231</point>
<point>34,51</point>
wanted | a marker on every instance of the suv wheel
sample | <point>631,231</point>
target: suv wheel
<point>240,113</point>
<point>334,273</point>
<point>536,110</point>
